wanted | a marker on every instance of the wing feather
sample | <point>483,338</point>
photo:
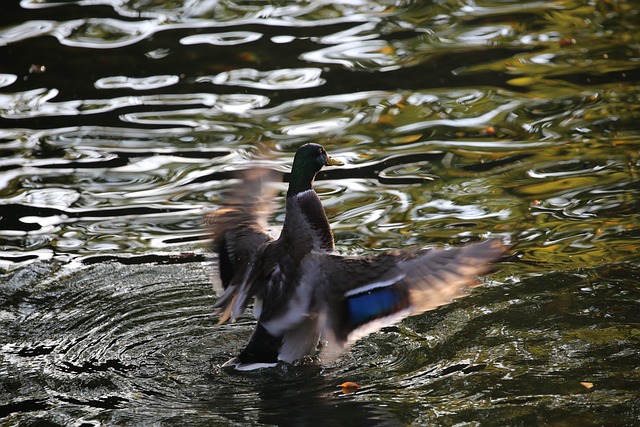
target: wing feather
<point>239,236</point>
<point>363,294</point>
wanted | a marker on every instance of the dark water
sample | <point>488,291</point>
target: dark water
<point>122,121</point>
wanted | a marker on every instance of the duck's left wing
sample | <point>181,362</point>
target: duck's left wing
<point>239,232</point>
<point>360,295</point>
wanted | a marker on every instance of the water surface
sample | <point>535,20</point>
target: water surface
<point>121,124</point>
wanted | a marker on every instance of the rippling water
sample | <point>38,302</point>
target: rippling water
<point>122,122</point>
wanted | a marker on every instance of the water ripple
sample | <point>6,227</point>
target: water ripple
<point>281,79</point>
<point>482,120</point>
<point>142,83</point>
<point>109,329</point>
<point>103,33</point>
<point>440,209</point>
<point>24,104</point>
<point>7,79</point>
<point>364,54</point>
<point>317,127</point>
<point>37,103</point>
<point>24,31</point>
<point>230,38</point>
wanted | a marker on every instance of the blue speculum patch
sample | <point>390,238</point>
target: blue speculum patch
<point>366,307</point>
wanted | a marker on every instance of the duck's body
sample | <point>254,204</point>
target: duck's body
<point>303,291</point>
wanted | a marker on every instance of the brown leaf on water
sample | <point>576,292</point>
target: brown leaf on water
<point>386,119</point>
<point>249,57</point>
<point>586,384</point>
<point>37,69</point>
<point>386,50</point>
<point>567,42</point>
<point>406,138</point>
<point>523,81</point>
<point>490,131</point>
<point>349,387</point>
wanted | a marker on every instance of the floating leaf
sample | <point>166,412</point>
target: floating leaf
<point>586,384</point>
<point>567,42</point>
<point>490,130</point>
<point>349,387</point>
<point>558,185</point>
<point>249,57</point>
<point>37,69</point>
<point>386,119</point>
<point>523,81</point>
<point>386,50</point>
<point>406,138</point>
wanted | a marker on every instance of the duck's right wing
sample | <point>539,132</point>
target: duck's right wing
<point>363,294</point>
<point>239,231</point>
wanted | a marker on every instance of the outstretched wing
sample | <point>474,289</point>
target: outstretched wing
<point>238,230</point>
<point>363,294</point>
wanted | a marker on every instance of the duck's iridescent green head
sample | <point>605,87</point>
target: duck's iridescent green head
<point>308,161</point>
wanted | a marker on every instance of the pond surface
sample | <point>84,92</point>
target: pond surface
<point>121,123</point>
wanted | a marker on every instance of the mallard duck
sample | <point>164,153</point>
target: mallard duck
<point>303,292</point>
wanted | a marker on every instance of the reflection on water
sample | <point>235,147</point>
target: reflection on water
<point>121,124</point>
